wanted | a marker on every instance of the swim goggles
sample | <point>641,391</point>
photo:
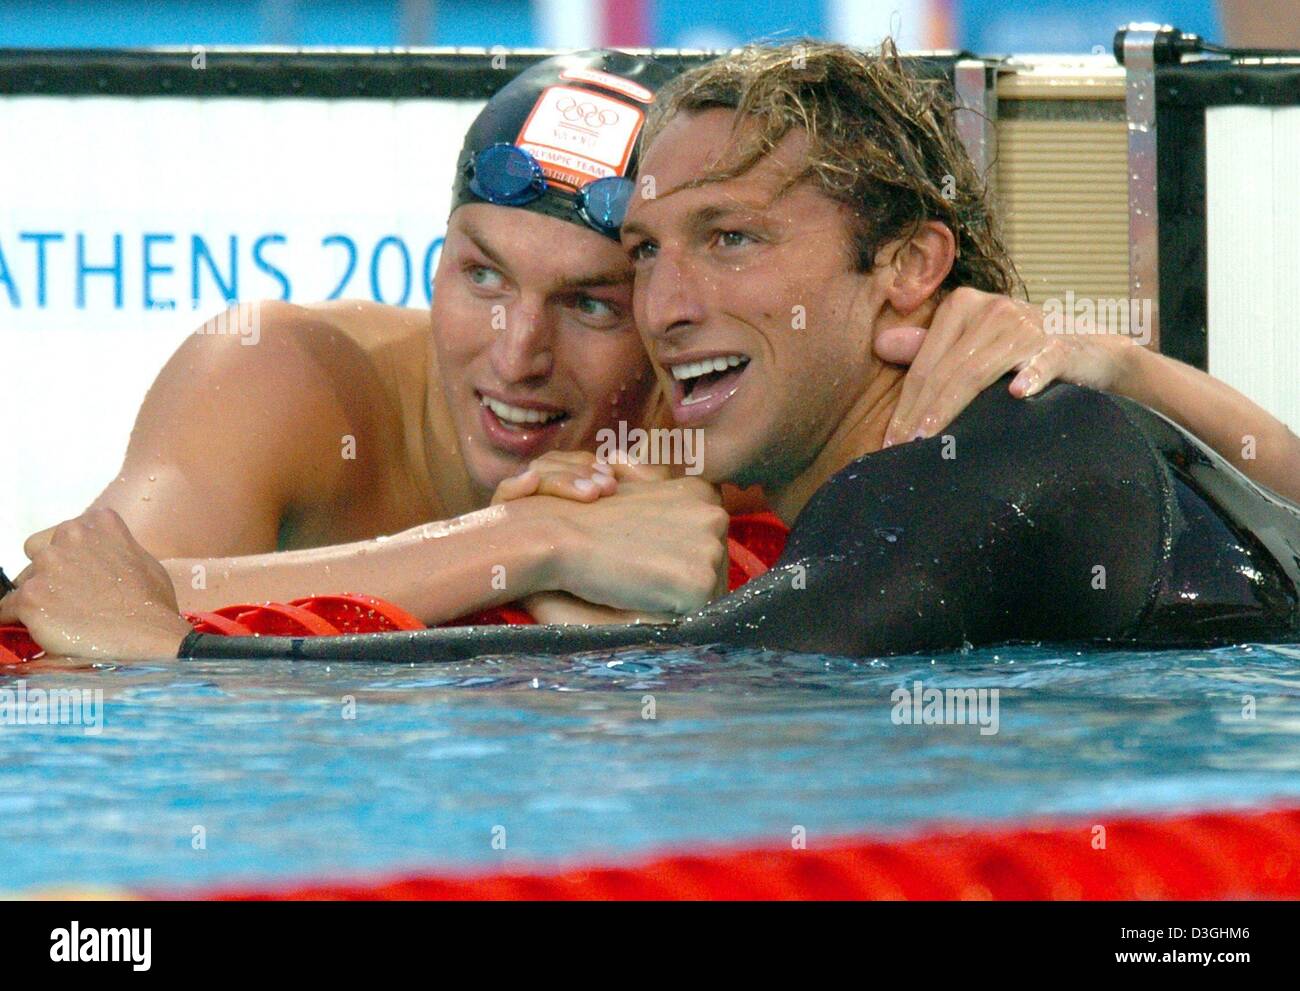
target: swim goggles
<point>506,175</point>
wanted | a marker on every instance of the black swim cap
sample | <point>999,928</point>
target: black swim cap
<point>578,116</point>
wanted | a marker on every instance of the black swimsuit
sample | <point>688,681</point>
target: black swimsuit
<point>1072,516</point>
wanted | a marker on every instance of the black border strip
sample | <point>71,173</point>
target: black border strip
<point>1222,83</point>
<point>240,72</point>
<point>1183,92</point>
<point>1180,198</point>
<point>385,74</point>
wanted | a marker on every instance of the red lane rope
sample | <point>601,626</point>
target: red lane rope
<point>17,645</point>
<point>280,619</point>
<point>1212,855</point>
<point>211,622</point>
<point>359,613</point>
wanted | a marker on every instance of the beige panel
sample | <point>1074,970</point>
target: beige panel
<point>1061,78</point>
<point>1061,184</point>
<point>1062,192</point>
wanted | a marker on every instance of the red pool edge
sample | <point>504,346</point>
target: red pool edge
<point>1199,856</point>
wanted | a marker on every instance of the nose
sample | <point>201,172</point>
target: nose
<point>668,295</point>
<point>523,348</point>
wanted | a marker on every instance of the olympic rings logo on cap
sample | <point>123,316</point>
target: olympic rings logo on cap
<point>586,112</point>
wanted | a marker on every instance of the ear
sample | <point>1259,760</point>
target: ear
<point>919,266</point>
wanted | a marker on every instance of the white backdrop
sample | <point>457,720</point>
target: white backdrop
<point>1253,253</point>
<point>114,211</point>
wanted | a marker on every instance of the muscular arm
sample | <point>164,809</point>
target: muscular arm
<point>437,571</point>
<point>1252,440</point>
<point>234,439</point>
<point>974,338</point>
<point>233,436</point>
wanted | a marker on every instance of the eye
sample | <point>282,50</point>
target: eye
<point>733,239</point>
<point>642,251</point>
<point>484,277</point>
<point>597,312</point>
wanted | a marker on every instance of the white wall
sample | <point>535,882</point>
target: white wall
<point>1252,166</point>
<point>73,372</point>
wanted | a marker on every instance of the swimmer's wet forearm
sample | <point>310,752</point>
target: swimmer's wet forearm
<point>564,609</point>
<point>1246,435</point>
<point>436,571</point>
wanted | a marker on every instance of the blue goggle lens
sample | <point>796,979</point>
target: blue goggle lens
<point>604,202</point>
<point>507,176</point>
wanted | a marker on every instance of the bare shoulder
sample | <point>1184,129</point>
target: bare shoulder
<point>303,370</point>
<point>394,341</point>
<point>373,326</point>
<point>342,347</point>
<point>266,342</point>
<point>242,431</point>
<point>367,326</point>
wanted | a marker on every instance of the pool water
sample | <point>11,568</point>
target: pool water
<point>217,773</point>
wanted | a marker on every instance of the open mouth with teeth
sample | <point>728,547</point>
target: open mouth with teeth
<point>518,417</point>
<point>699,381</point>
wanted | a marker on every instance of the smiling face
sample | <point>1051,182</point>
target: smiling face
<point>749,301</point>
<point>532,326</point>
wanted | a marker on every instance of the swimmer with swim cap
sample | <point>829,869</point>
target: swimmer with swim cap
<point>698,295</point>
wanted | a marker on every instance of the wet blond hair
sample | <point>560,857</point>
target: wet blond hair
<point>880,140</point>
